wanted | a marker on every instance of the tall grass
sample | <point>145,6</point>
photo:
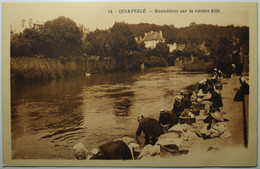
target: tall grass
<point>37,69</point>
<point>199,66</point>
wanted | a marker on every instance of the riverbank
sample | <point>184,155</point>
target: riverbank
<point>204,151</point>
<point>40,69</point>
<point>234,114</point>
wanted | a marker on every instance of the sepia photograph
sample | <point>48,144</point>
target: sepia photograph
<point>143,84</point>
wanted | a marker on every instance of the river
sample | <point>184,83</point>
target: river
<point>49,118</point>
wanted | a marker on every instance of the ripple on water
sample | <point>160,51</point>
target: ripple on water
<point>93,111</point>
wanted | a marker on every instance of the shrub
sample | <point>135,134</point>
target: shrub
<point>154,61</point>
<point>199,66</point>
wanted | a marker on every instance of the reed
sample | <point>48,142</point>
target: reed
<point>38,69</point>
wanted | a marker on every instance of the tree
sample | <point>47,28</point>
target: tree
<point>27,43</point>
<point>188,51</point>
<point>221,50</point>
<point>61,37</point>
<point>97,43</point>
<point>161,50</point>
<point>15,45</point>
<point>122,42</point>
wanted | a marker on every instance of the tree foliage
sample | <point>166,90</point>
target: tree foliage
<point>221,50</point>
<point>61,37</point>
<point>122,42</point>
<point>194,34</point>
<point>117,42</point>
<point>161,50</point>
<point>26,44</point>
<point>97,43</point>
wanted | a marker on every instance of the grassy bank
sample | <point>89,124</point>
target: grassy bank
<point>199,66</point>
<point>37,69</point>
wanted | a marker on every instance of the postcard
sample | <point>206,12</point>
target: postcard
<point>129,84</point>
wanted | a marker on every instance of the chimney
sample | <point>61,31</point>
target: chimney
<point>160,32</point>
<point>30,23</point>
<point>23,23</point>
<point>11,28</point>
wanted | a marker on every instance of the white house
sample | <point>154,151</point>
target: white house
<point>152,38</point>
<point>172,47</point>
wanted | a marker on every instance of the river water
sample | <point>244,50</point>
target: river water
<point>48,119</point>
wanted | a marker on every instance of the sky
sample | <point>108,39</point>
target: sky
<point>95,15</point>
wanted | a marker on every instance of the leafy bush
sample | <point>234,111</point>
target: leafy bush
<point>154,61</point>
<point>199,66</point>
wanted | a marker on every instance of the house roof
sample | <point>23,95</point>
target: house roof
<point>153,36</point>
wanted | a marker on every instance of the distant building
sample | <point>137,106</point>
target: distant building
<point>193,24</point>
<point>151,39</point>
<point>180,47</point>
<point>175,46</point>
<point>28,24</point>
<point>84,30</point>
<point>179,61</point>
<point>194,58</point>
<point>203,47</point>
<point>17,28</point>
<point>172,47</point>
<point>37,25</point>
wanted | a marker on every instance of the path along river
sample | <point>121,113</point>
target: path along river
<point>48,119</point>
